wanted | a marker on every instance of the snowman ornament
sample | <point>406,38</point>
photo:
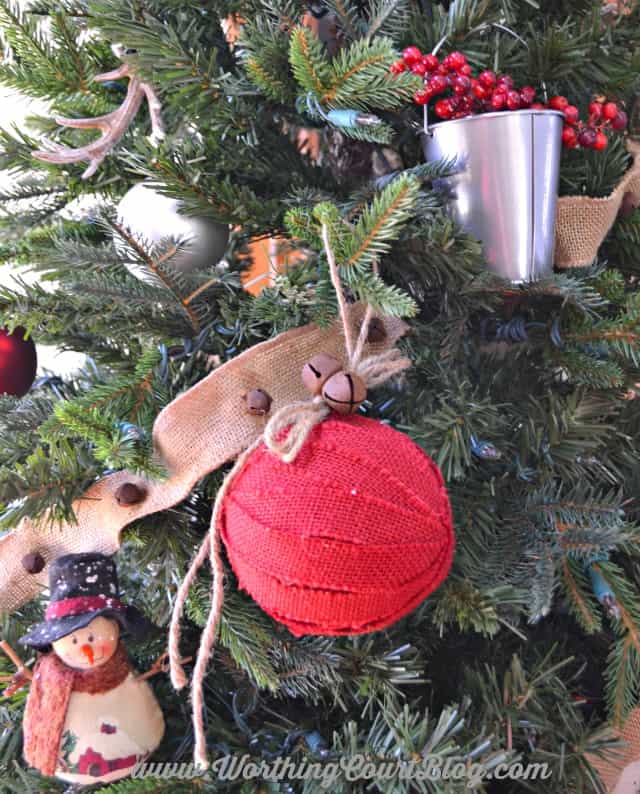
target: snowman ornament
<point>89,717</point>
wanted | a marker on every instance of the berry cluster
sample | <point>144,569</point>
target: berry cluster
<point>457,93</point>
<point>590,134</point>
<point>470,95</point>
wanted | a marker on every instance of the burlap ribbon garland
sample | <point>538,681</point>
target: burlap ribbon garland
<point>197,433</point>
<point>582,222</point>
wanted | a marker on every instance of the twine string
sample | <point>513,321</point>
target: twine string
<point>343,306</point>
<point>299,418</point>
<point>285,435</point>
<point>209,548</point>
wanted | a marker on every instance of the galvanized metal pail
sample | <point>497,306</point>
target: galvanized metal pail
<point>505,187</point>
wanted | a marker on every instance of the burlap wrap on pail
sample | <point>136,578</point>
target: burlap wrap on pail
<point>620,774</point>
<point>582,222</point>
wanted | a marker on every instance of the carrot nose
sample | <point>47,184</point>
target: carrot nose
<point>87,650</point>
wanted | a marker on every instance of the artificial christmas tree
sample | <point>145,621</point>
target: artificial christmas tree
<point>525,396</point>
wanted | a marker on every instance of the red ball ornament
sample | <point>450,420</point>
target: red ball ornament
<point>347,539</point>
<point>411,55</point>
<point>18,362</point>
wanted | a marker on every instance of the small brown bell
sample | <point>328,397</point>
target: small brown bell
<point>33,563</point>
<point>344,392</point>
<point>258,402</point>
<point>317,371</point>
<point>376,331</point>
<point>130,494</point>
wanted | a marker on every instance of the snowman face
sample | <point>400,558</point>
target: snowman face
<point>91,646</point>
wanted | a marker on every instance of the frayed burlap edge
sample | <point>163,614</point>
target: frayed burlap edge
<point>582,222</point>
<point>198,432</point>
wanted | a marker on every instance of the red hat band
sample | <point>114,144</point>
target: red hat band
<point>81,605</point>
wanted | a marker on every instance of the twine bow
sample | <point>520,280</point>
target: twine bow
<point>284,435</point>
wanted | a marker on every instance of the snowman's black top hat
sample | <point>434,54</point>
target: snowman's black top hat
<point>82,587</point>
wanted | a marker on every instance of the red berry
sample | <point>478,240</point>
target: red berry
<point>558,103</point>
<point>538,106</point>
<point>419,68</point>
<point>442,69</point>
<point>601,141</point>
<point>438,84</point>
<point>610,111</point>
<point>506,82</point>
<point>465,70</point>
<point>422,96</point>
<point>620,121</point>
<point>410,55</point>
<point>587,138</point>
<point>571,114</point>
<point>487,79</point>
<point>456,60</point>
<point>513,100</point>
<point>461,85</point>
<point>431,62</point>
<point>479,91</point>
<point>595,110</point>
<point>444,109</point>
<point>398,67</point>
<point>465,102</point>
<point>569,137</point>
<point>527,94</point>
<point>498,100</point>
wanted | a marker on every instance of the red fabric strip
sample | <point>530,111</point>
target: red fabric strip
<point>80,605</point>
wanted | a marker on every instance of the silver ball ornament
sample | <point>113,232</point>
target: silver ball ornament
<point>151,217</point>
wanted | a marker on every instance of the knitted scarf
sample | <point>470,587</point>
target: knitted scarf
<point>49,693</point>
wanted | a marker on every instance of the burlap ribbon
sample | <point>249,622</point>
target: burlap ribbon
<point>197,433</point>
<point>582,222</point>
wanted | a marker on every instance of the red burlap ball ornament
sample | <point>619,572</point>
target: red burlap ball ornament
<point>351,536</point>
<point>18,362</point>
